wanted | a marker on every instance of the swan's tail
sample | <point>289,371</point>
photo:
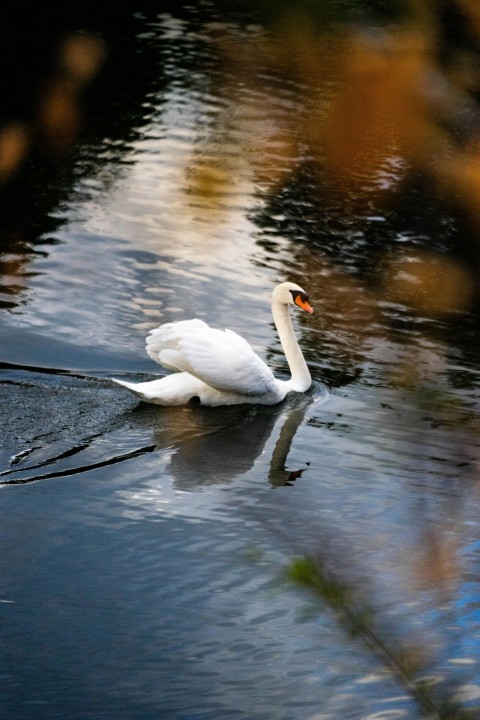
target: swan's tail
<point>176,389</point>
<point>135,388</point>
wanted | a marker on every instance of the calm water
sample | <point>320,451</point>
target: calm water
<point>144,548</point>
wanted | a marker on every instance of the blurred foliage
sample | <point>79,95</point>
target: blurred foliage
<point>57,118</point>
<point>406,663</point>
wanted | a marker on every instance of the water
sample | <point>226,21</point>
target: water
<point>145,548</point>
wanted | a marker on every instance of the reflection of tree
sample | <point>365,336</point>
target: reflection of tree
<point>72,102</point>
<point>370,108</point>
<point>375,101</point>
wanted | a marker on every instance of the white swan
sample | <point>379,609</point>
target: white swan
<point>218,366</point>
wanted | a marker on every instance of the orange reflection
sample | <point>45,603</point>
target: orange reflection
<point>428,282</point>
<point>14,144</point>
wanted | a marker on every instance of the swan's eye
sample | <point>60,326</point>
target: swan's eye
<point>300,298</point>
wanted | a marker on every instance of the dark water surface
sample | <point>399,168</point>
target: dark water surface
<point>144,548</point>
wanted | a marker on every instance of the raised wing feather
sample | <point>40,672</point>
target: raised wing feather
<point>221,358</point>
<point>168,337</point>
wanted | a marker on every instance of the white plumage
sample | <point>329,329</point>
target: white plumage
<point>218,366</point>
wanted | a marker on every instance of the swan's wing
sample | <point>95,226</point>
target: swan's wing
<point>221,358</point>
<point>168,337</point>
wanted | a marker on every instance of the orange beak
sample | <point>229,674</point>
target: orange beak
<point>304,304</point>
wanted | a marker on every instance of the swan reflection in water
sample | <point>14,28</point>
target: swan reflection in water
<point>215,446</point>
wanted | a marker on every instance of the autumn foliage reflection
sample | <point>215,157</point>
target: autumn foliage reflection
<point>365,97</point>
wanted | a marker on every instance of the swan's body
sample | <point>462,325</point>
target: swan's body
<point>218,366</point>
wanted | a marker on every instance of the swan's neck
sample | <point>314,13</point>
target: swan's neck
<point>301,379</point>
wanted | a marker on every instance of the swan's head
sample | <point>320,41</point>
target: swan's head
<point>289,293</point>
